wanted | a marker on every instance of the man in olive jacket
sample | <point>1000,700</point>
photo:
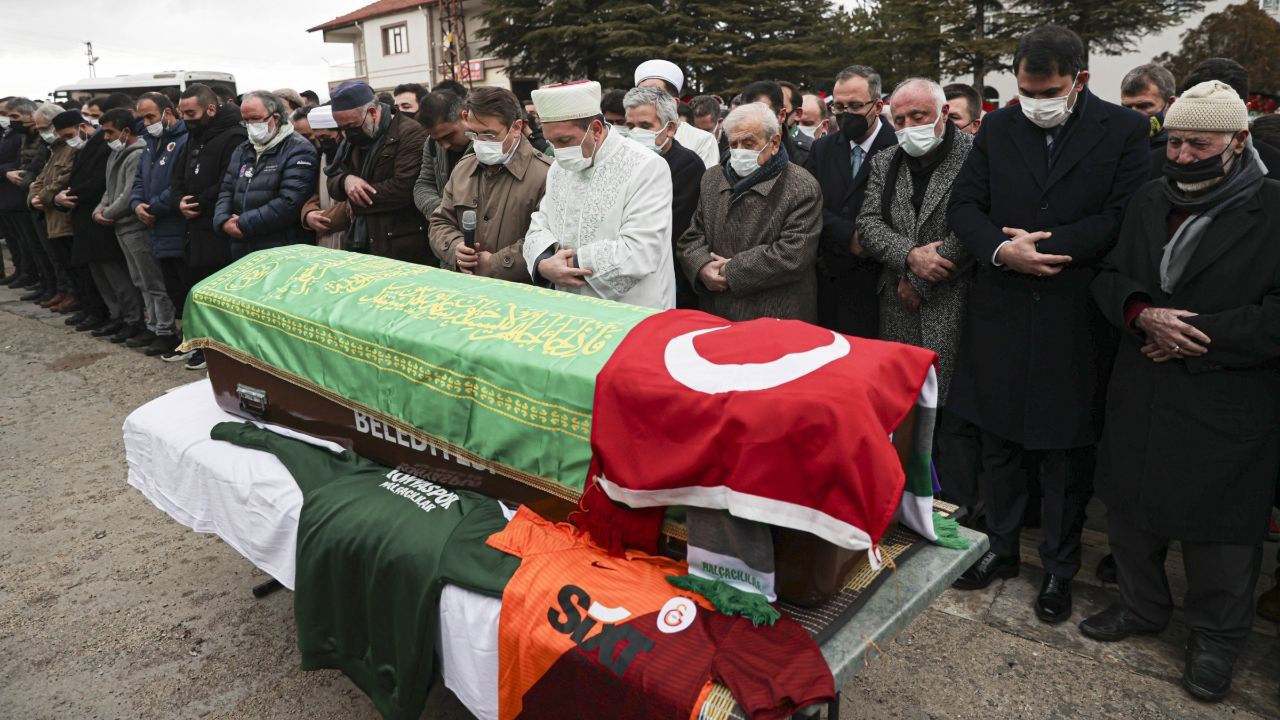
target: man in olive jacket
<point>751,248</point>
<point>502,183</point>
<point>376,167</point>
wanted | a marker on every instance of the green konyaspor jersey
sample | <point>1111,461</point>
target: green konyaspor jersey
<point>375,548</point>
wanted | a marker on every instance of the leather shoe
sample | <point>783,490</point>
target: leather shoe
<point>56,299</point>
<point>67,306</point>
<point>1114,623</point>
<point>141,340</point>
<point>92,322</point>
<point>111,328</point>
<point>18,281</point>
<point>35,294</point>
<point>1053,604</point>
<point>126,331</point>
<point>1207,675</point>
<point>989,567</point>
<point>75,319</point>
<point>1106,571</point>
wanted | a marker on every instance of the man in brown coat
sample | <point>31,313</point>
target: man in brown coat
<point>751,248</point>
<point>379,162</point>
<point>502,182</point>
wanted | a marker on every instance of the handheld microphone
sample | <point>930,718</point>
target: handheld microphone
<point>469,228</point>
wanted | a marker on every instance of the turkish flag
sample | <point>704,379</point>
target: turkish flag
<point>776,421</point>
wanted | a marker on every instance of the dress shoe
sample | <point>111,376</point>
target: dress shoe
<point>31,284</point>
<point>162,345</point>
<point>1053,604</point>
<point>989,567</point>
<point>1207,675</point>
<point>55,300</point>
<point>1114,623</point>
<point>111,328</point>
<point>1269,604</point>
<point>1106,571</point>
<point>36,294</point>
<point>92,322</point>
<point>67,306</point>
<point>141,340</point>
<point>126,331</point>
<point>75,319</point>
<point>18,281</point>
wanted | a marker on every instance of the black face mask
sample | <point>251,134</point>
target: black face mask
<point>196,127</point>
<point>853,126</point>
<point>358,138</point>
<point>17,126</point>
<point>1210,168</point>
<point>328,147</point>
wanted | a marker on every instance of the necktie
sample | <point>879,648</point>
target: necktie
<point>856,160</point>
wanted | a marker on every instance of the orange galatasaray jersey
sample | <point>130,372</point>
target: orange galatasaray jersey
<point>584,634</point>
<point>614,590</point>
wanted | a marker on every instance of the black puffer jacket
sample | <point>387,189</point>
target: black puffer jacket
<point>12,197</point>
<point>32,157</point>
<point>268,191</point>
<point>200,170</point>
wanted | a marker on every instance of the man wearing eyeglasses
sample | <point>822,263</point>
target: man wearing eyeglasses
<point>502,182</point>
<point>847,279</point>
<point>377,166</point>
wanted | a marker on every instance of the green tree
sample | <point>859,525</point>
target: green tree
<point>1245,33</point>
<point>1107,27</point>
<point>721,46</point>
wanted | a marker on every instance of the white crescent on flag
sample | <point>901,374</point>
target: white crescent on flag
<point>695,372</point>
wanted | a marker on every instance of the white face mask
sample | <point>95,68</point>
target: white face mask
<point>490,152</point>
<point>48,136</point>
<point>155,128</point>
<point>571,159</point>
<point>1048,112</point>
<point>647,138</point>
<point>918,141</point>
<point>744,162</point>
<point>92,121</point>
<point>808,130</point>
<point>4,122</point>
<point>259,132</point>
<point>115,144</point>
<point>75,143</point>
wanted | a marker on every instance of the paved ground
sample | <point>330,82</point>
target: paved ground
<point>108,609</point>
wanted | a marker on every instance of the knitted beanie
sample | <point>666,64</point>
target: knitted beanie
<point>1211,106</point>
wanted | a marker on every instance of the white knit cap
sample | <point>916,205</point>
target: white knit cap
<point>567,101</point>
<point>321,118</point>
<point>663,70</point>
<point>1211,106</point>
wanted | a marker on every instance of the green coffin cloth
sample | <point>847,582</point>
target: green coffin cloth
<point>503,371</point>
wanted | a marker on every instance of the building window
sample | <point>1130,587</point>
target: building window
<point>395,39</point>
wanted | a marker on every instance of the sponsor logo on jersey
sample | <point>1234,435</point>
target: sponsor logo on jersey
<point>577,616</point>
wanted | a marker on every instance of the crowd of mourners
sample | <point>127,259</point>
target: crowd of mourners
<point>1101,283</point>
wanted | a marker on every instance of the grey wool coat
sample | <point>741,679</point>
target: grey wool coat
<point>937,323</point>
<point>770,232</point>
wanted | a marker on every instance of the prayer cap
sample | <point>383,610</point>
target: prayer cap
<point>663,70</point>
<point>351,94</point>
<point>568,101</point>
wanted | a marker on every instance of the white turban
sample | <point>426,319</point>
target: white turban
<point>321,118</point>
<point>567,101</point>
<point>663,70</point>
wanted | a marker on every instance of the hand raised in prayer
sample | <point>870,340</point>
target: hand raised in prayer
<point>559,270</point>
<point>1020,254</point>
<point>1168,337</point>
<point>712,274</point>
<point>908,295</point>
<point>359,191</point>
<point>928,265</point>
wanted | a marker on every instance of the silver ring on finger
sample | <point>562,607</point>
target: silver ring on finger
<point>1175,349</point>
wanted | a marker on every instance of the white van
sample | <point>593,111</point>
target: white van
<point>135,85</point>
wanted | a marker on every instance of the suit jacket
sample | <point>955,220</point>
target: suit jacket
<point>1033,349</point>
<point>1192,445</point>
<point>890,237</point>
<point>769,232</point>
<point>847,300</point>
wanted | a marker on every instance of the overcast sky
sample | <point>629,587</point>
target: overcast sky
<point>264,43</point>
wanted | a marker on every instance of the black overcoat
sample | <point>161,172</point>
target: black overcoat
<point>847,299</point>
<point>1033,348</point>
<point>1192,447</point>
<point>92,242</point>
